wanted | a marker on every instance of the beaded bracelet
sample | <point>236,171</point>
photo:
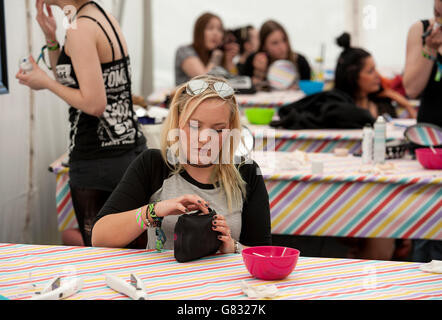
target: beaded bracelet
<point>428,56</point>
<point>52,45</point>
<point>161,236</point>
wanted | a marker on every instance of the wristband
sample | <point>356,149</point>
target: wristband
<point>55,47</point>
<point>161,236</point>
<point>140,220</point>
<point>428,56</point>
<point>151,212</point>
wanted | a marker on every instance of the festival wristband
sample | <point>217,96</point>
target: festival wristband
<point>428,56</point>
<point>140,220</point>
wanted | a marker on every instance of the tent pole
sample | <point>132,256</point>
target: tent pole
<point>29,194</point>
<point>147,75</point>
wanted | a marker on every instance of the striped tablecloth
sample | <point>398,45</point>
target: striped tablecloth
<point>405,202</point>
<point>65,210</point>
<point>213,278</point>
<point>324,141</point>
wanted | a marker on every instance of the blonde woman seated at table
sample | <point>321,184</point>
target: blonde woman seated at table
<point>207,51</point>
<point>178,179</point>
<point>274,45</point>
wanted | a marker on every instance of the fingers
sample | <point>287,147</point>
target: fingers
<point>220,225</point>
<point>49,10</point>
<point>21,76</point>
<point>32,60</point>
<point>39,5</point>
<point>181,208</point>
<point>195,201</point>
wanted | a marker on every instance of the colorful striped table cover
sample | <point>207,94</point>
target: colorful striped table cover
<point>313,141</point>
<point>65,210</point>
<point>25,269</point>
<point>403,203</point>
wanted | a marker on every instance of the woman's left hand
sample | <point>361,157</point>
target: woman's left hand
<point>35,79</point>
<point>231,50</point>
<point>220,225</point>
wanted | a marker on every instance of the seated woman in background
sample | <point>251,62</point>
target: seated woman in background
<point>194,170</point>
<point>356,75</point>
<point>248,40</point>
<point>274,45</point>
<point>206,52</point>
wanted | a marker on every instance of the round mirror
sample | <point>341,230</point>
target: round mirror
<point>247,143</point>
<point>282,74</point>
<point>424,134</point>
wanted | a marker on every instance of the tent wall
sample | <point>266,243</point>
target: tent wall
<point>308,23</point>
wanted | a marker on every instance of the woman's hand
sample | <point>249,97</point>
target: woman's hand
<point>216,57</point>
<point>260,62</point>
<point>220,225</point>
<point>181,205</point>
<point>434,40</point>
<point>36,79</point>
<point>47,22</point>
<point>231,50</point>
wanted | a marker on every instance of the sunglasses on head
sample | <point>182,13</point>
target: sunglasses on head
<point>198,86</point>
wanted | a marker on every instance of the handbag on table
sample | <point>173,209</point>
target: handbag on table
<point>194,237</point>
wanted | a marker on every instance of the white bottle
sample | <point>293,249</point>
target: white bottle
<point>380,132</point>
<point>367,144</point>
<point>25,64</point>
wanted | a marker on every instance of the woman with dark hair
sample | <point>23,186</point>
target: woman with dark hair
<point>248,40</point>
<point>207,51</point>
<point>274,45</point>
<point>356,75</point>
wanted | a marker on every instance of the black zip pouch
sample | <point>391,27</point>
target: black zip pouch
<point>194,237</point>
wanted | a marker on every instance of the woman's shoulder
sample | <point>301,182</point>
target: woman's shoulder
<point>249,169</point>
<point>151,160</point>
<point>185,50</point>
<point>153,155</point>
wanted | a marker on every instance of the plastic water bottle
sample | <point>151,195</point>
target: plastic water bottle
<point>25,64</point>
<point>367,144</point>
<point>380,132</point>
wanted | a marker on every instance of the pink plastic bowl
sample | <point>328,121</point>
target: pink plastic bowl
<point>273,266</point>
<point>428,159</point>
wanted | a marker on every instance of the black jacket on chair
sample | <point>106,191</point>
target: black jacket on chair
<point>332,109</point>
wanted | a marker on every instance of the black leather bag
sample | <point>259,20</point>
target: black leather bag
<point>194,237</point>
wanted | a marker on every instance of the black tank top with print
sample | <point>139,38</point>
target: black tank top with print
<point>430,109</point>
<point>116,131</point>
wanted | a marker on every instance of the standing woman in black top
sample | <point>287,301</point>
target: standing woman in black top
<point>423,78</point>
<point>423,68</point>
<point>92,72</point>
<point>274,45</point>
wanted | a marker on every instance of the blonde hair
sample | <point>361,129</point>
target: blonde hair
<point>226,173</point>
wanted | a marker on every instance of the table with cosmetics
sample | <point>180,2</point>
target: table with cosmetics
<point>25,269</point>
<point>399,199</point>
<point>319,140</point>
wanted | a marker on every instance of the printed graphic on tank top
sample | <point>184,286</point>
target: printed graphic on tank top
<point>116,131</point>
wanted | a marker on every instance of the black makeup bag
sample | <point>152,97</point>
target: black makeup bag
<point>194,237</point>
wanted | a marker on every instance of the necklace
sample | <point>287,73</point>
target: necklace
<point>201,166</point>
